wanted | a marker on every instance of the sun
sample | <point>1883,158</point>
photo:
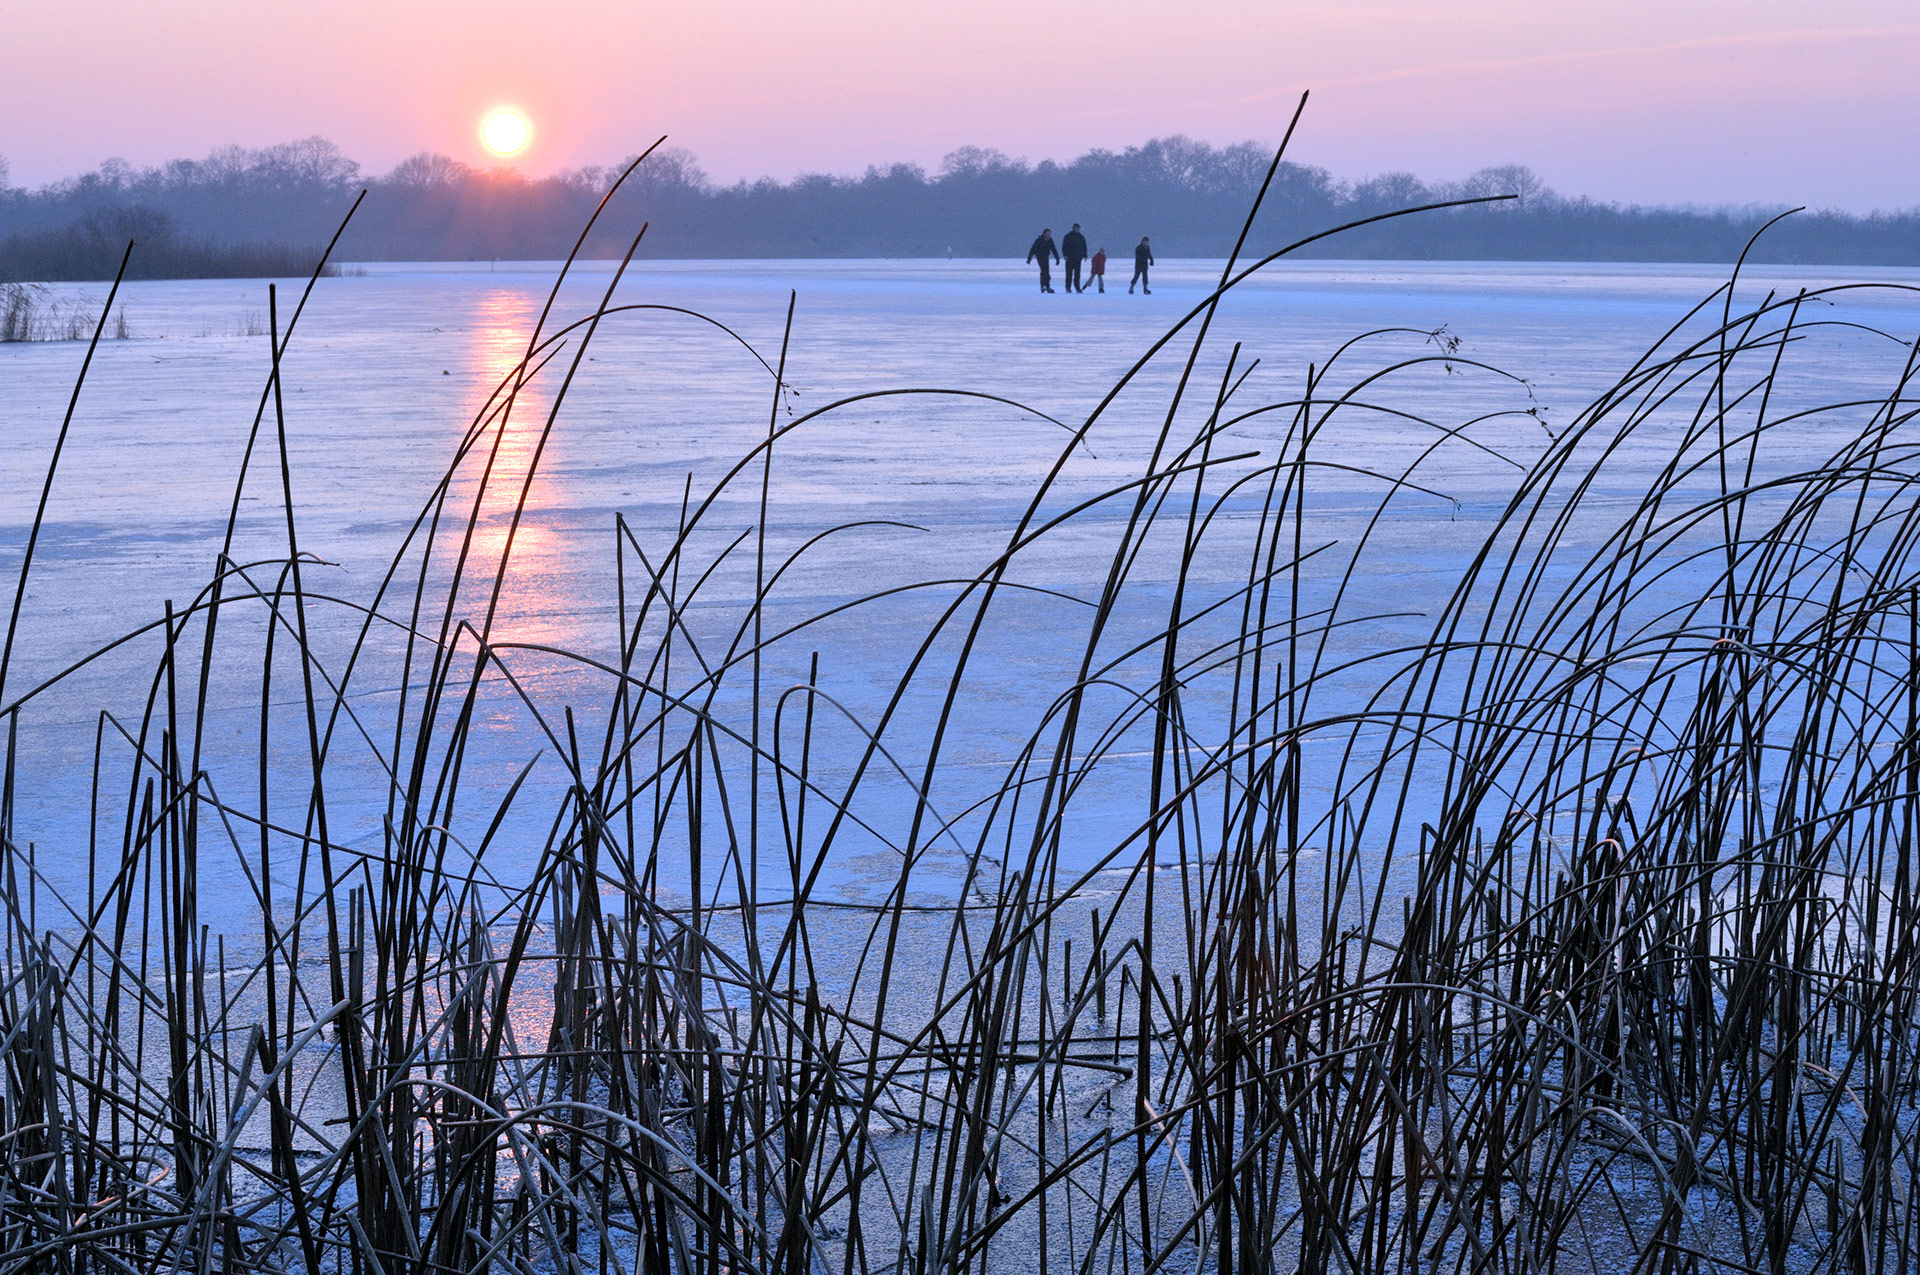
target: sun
<point>505,131</point>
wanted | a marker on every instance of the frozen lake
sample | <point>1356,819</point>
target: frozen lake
<point>389,367</point>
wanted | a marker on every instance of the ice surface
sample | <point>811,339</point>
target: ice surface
<point>388,368</point>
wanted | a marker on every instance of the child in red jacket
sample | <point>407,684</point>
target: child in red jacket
<point>1097,271</point>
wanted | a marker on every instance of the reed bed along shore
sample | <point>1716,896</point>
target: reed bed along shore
<point>30,312</point>
<point>1568,926</point>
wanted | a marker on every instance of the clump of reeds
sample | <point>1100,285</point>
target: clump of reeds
<point>1576,933</point>
<point>30,312</point>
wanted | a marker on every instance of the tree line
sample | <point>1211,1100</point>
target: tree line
<point>1190,196</point>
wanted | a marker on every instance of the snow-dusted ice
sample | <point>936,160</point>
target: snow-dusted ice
<point>388,368</point>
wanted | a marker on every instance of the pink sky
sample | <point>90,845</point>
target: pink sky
<point>1702,101</point>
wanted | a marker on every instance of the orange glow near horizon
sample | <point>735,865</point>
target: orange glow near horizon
<point>505,132</point>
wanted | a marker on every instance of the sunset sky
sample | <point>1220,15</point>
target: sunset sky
<point>1684,101</point>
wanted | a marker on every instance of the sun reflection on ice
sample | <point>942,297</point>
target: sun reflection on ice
<point>508,407</point>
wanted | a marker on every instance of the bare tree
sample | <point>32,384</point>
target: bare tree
<point>428,170</point>
<point>972,161</point>
<point>1506,179</point>
<point>1392,190</point>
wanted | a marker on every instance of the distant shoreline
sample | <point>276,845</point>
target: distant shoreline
<point>1169,267</point>
<point>1192,198</point>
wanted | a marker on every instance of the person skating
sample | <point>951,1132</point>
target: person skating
<point>1043,249</point>
<point>1097,270</point>
<point>1142,258</point>
<point>1074,249</point>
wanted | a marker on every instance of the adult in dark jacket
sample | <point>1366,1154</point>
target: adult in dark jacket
<point>1043,249</point>
<point>1142,258</point>
<point>1074,249</point>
